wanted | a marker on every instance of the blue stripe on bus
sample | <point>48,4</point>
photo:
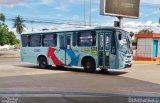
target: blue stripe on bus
<point>74,58</point>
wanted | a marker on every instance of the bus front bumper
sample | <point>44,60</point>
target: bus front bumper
<point>129,65</point>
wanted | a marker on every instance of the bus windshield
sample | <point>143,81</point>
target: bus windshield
<point>124,42</point>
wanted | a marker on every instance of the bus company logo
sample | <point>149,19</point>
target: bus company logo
<point>37,50</point>
<point>85,50</point>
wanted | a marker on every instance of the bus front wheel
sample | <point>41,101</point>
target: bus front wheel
<point>42,61</point>
<point>89,65</point>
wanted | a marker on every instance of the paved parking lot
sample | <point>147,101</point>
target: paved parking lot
<point>19,77</point>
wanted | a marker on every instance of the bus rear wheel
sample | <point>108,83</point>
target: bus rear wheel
<point>42,61</point>
<point>89,65</point>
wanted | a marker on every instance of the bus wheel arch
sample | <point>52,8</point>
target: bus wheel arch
<point>88,63</point>
<point>42,61</point>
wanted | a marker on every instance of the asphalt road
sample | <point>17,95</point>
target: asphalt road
<point>25,79</point>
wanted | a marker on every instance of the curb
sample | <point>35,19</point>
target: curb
<point>146,62</point>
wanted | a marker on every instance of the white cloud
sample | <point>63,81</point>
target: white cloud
<point>62,7</point>
<point>76,17</point>
<point>10,2</point>
<point>48,2</point>
<point>156,11</point>
<point>72,1</point>
<point>136,26</point>
<point>157,2</point>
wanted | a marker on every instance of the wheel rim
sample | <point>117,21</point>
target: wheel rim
<point>88,65</point>
<point>43,62</point>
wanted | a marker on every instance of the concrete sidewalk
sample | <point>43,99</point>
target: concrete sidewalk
<point>14,53</point>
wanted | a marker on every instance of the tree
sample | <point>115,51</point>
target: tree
<point>2,17</point>
<point>134,42</point>
<point>131,34</point>
<point>18,24</point>
<point>146,31</point>
<point>6,36</point>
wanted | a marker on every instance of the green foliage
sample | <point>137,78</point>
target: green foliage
<point>6,36</point>
<point>18,24</point>
<point>134,42</point>
<point>146,31</point>
<point>2,17</point>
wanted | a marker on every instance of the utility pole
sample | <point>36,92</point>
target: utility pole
<point>32,25</point>
<point>90,20</point>
<point>84,12</point>
<point>159,17</point>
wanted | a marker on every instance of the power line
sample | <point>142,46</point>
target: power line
<point>46,19</point>
<point>46,22</point>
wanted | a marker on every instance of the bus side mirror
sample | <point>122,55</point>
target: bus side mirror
<point>119,37</point>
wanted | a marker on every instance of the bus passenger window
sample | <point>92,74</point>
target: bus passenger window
<point>68,40</point>
<point>107,42</point>
<point>49,40</point>
<point>86,38</point>
<point>54,40</point>
<point>74,39</point>
<point>24,39</point>
<point>62,42</point>
<point>94,38</point>
<point>34,40</point>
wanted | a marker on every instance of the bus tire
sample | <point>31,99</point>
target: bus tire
<point>42,61</point>
<point>89,65</point>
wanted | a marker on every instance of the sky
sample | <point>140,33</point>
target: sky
<point>71,11</point>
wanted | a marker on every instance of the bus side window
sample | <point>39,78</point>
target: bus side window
<point>94,38</point>
<point>113,45</point>
<point>68,40</point>
<point>29,39</point>
<point>74,39</point>
<point>24,39</point>
<point>62,42</point>
<point>86,38</point>
<point>54,40</point>
<point>78,38</point>
<point>49,40</point>
<point>34,40</point>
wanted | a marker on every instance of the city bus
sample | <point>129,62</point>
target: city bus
<point>90,48</point>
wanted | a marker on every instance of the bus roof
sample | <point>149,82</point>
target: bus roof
<point>73,29</point>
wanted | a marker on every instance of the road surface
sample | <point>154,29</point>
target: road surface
<point>25,78</point>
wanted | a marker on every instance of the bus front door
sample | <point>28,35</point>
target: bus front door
<point>104,50</point>
<point>65,45</point>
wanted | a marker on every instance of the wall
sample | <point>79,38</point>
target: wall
<point>144,47</point>
<point>6,47</point>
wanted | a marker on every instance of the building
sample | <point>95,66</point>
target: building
<point>148,47</point>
